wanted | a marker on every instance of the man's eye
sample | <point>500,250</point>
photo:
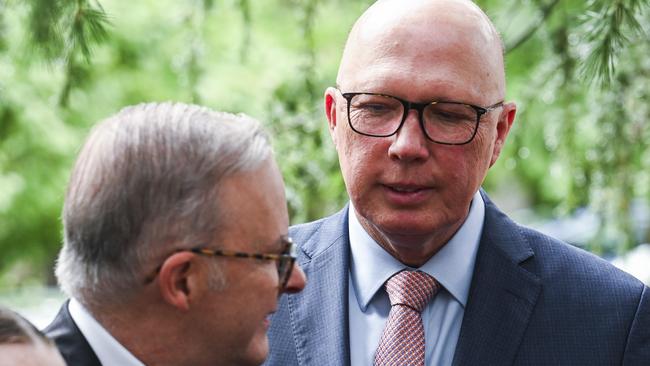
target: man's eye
<point>374,108</point>
<point>377,107</point>
<point>452,115</point>
<point>447,116</point>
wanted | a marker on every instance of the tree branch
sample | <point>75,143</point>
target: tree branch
<point>546,12</point>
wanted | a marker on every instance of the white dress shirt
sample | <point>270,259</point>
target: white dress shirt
<point>108,350</point>
<point>371,266</point>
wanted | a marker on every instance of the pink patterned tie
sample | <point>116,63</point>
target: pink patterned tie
<point>402,342</point>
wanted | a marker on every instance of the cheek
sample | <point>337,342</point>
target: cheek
<point>356,155</point>
<point>254,290</point>
<point>484,148</point>
<point>463,167</point>
<point>476,158</point>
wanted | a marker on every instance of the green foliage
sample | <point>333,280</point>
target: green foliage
<point>67,30</point>
<point>605,24</point>
<point>65,64</point>
<point>62,27</point>
<point>72,63</point>
<point>583,142</point>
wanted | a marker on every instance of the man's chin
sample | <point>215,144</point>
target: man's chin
<point>258,350</point>
<point>406,230</point>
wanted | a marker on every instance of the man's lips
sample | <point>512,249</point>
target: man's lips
<point>407,194</point>
<point>407,187</point>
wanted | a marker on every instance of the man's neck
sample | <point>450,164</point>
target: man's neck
<point>132,325</point>
<point>411,250</point>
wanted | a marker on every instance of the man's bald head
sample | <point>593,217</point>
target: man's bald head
<point>423,28</point>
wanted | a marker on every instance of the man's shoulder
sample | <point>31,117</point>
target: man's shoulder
<point>317,236</point>
<point>553,260</point>
<point>578,287</point>
<point>567,271</point>
<point>563,264</point>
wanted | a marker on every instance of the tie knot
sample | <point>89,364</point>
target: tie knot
<point>411,288</point>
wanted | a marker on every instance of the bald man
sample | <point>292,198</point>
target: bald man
<point>421,268</point>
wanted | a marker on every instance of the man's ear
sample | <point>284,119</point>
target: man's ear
<point>176,279</point>
<point>506,119</point>
<point>330,111</point>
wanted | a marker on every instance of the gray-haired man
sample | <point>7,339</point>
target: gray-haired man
<point>175,247</point>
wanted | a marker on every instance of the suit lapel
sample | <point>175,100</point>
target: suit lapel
<point>68,338</point>
<point>502,295</point>
<point>319,314</point>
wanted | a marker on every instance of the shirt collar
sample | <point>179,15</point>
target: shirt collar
<point>108,350</point>
<point>452,266</point>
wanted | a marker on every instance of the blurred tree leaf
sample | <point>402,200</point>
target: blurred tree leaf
<point>608,27</point>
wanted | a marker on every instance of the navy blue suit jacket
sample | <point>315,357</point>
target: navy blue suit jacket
<point>533,300</point>
<point>68,338</point>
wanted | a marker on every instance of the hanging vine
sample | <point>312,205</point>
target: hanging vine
<point>608,27</point>
<point>67,32</point>
<point>245,10</point>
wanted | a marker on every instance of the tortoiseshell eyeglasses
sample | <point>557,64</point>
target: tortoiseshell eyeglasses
<point>284,260</point>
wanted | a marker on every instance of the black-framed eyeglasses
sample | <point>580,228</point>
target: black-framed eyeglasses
<point>284,261</point>
<point>443,122</point>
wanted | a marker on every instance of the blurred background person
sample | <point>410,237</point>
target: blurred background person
<point>22,344</point>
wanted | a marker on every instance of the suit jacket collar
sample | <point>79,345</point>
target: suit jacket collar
<point>319,314</point>
<point>502,296</point>
<point>68,338</point>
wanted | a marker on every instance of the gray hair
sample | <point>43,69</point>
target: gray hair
<point>146,180</point>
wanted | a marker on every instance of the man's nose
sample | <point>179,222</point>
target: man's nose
<point>297,280</point>
<point>409,142</point>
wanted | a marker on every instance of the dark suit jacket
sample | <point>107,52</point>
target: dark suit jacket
<point>533,301</point>
<point>68,338</point>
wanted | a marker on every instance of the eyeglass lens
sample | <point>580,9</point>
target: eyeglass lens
<point>382,115</point>
<point>285,264</point>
